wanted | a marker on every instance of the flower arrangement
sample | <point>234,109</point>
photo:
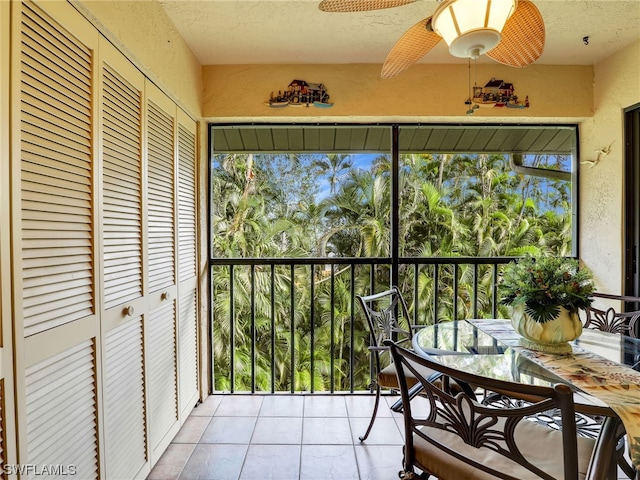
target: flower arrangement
<point>543,284</point>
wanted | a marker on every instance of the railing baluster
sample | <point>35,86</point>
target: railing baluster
<point>494,299</point>
<point>352,329</point>
<point>312,327</point>
<point>372,280</point>
<point>455,291</point>
<point>272,292</point>
<point>475,290</point>
<point>332,326</point>
<point>253,328</point>
<point>416,297</point>
<point>232,331</point>
<point>213,320</point>
<point>436,289</point>
<point>292,328</point>
<point>322,286</point>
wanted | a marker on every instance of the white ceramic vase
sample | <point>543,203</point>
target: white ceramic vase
<point>549,337</point>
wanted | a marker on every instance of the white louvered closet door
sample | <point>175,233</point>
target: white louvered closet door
<point>57,175</point>
<point>124,410</point>
<point>161,323</point>
<point>122,179</point>
<point>121,147</point>
<point>7,435</point>
<point>161,180</point>
<point>54,175</point>
<point>61,417</point>
<point>187,273</point>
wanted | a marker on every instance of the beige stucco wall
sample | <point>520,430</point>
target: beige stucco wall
<point>147,36</point>
<point>616,86</point>
<point>593,97</point>
<point>236,93</point>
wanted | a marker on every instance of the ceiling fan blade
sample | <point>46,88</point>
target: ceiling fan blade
<point>412,46</point>
<point>522,39</point>
<point>360,5</point>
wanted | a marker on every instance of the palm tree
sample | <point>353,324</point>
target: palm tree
<point>334,166</point>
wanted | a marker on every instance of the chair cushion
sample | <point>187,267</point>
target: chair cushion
<point>387,377</point>
<point>539,444</point>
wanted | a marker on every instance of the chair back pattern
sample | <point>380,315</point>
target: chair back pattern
<point>381,311</point>
<point>610,320</point>
<point>613,321</point>
<point>480,426</point>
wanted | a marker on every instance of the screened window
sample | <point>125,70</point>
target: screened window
<point>350,191</point>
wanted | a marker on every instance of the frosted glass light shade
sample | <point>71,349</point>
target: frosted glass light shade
<point>472,27</point>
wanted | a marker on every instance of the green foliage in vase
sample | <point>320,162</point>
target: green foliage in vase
<point>543,284</point>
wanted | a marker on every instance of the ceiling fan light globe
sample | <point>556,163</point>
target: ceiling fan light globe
<point>472,23</point>
<point>475,43</point>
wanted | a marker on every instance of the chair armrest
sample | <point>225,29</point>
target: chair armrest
<point>622,298</point>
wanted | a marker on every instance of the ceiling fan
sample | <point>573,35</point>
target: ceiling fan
<point>510,32</point>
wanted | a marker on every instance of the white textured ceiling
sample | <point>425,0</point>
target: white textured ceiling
<point>296,32</point>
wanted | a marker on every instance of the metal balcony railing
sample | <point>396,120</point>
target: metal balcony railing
<point>293,325</point>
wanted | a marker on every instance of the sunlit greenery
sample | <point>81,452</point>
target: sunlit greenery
<point>333,206</point>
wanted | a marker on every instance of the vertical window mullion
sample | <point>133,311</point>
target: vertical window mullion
<point>395,205</point>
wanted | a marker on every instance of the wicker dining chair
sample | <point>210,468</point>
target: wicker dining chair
<point>388,318</point>
<point>461,438</point>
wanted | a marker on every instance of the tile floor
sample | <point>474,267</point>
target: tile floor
<point>282,437</point>
<point>301,437</point>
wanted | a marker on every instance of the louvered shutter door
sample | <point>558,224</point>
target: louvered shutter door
<point>187,275</point>
<point>125,433</point>
<point>7,440</point>
<point>124,407</point>
<point>162,374</point>
<point>160,193</point>
<point>186,203</point>
<point>161,321</point>
<point>122,188</point>
<point>56,152</point>
<point>188,351</point>
<point>61,411</point>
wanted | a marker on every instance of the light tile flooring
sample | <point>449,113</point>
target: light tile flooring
<point>281,437</point>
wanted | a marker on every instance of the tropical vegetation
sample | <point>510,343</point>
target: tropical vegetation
<point>282,325</point>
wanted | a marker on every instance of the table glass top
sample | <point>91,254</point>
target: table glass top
<point>477,352</point>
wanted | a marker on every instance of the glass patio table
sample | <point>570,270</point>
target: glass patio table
<point>601,370</point>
